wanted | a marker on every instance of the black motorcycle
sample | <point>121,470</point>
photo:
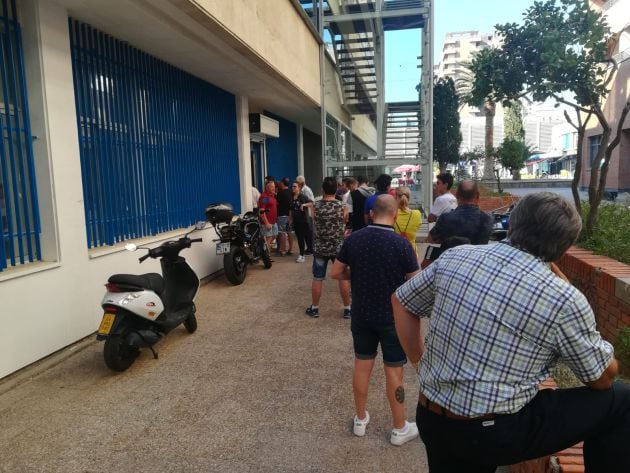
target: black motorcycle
<point>501,218</point>
<point>241,240</point>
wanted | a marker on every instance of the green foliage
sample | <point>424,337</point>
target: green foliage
<point>559,46</point>
<point>493,77</point>
<point>447,136</point>
<point>513,121</point>
<point>512,154</point>
<point>622,348</point>
<point>611,236</point>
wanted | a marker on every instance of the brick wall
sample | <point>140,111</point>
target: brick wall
<point>605,282</point>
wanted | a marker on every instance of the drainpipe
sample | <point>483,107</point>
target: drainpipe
<point>322,76</point>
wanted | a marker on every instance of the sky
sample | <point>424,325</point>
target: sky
<point>403,47</point>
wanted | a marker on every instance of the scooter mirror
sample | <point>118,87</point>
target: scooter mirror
<point>131,247</point>
<point>200,225</point>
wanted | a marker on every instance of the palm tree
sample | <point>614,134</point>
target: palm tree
<point>482,83</point>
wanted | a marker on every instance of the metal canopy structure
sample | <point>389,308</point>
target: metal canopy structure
<point>354,36</point>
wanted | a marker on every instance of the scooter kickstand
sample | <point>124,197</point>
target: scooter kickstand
<point>155,354</point>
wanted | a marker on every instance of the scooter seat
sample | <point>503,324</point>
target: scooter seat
<point>152,281</point>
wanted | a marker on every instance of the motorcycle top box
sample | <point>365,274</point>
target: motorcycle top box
<point>221,212</point>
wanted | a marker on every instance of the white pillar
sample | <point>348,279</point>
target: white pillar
<point>244,154</point>
<point>300,149</point>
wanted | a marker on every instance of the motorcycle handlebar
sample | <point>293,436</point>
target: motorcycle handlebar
<point>142,258</point>
<point>195,240</point>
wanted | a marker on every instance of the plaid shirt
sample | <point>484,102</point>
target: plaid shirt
<point>499,321</point>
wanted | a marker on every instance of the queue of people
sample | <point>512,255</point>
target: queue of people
<point>500,317</point>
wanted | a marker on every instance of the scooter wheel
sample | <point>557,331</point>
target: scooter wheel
<point>191,323</point>
<point>118,354</point>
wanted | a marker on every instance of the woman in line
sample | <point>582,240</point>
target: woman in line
<point>408,221</point>
<point>298,218</point>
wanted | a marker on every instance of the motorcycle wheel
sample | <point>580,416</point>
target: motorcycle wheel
<point>118,355</point>
<point>191,321</point>
<point>266,256</point>
<point>235,265</point>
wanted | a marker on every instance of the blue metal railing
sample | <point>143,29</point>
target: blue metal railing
<point>157,144</point>
<point>19,214</point>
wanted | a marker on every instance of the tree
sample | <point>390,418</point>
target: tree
<point>512,155</point>
<point>491,78</point>
<point>447,136</point>
<point>513,121</point>
<point>562,52</point>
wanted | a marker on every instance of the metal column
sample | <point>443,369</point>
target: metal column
<point>426,155</point>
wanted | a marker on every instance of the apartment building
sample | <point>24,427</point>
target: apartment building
<point>617,15</point>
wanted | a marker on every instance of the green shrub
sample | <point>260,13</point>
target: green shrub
<point>611,236</point>
<point>622,349</point>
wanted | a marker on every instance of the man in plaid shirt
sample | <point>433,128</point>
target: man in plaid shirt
<point>500,319</point>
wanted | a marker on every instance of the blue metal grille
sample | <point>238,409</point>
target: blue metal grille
<point>19,215</point>
<point>282,151</point>
<point>157,144</point>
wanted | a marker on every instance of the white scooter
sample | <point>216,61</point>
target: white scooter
<point>139,310</point>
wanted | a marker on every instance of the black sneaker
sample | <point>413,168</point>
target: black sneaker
<point>308,253</point>
<point>347,313</point>
<point>312,311</point>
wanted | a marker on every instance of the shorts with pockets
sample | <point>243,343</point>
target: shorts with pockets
<point>367,335</point>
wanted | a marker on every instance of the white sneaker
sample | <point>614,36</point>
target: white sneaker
<point>300,259</point>
<point>399,438</point>
<point>360,425</point>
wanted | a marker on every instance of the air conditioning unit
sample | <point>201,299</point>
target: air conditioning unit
<point>259,123</point>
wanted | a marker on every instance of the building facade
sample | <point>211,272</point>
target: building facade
<point>617,15</point>
<point>123,119</point>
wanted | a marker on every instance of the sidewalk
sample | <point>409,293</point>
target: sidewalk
<point>260,387</point>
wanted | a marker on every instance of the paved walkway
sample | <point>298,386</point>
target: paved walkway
<point>260,387</point>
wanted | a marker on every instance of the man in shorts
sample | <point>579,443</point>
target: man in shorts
<point>377,261</point>
<point>329,229</point>
<point>268,207</point>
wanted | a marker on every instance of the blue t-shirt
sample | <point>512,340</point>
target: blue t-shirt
<point>379,260</point>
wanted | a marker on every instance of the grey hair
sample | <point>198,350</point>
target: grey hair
<point>545,225</point>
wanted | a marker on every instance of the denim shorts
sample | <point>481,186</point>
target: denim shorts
<point>366,337</point>
<point>320,263</point>
<point>283,224</point>
<point>272,232</point>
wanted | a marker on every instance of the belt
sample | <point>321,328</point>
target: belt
<point>442,411</point>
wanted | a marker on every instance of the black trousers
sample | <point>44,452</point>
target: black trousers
<point>309,235</point>
<point>301,229</point>
<point>552,421</point>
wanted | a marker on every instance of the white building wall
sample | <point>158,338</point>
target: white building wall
<point>49,305</point>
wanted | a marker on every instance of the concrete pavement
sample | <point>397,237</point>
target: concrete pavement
<point>260,387</point>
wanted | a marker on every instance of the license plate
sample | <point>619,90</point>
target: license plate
<point>223,248</point>
<point>106,324</point>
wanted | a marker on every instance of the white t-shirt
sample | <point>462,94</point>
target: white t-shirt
<point>306,190</point>
<point>444,203</point>
<point>255,196</point>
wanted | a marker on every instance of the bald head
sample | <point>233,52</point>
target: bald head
<point>467,192</point>
<point>384,210</point>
